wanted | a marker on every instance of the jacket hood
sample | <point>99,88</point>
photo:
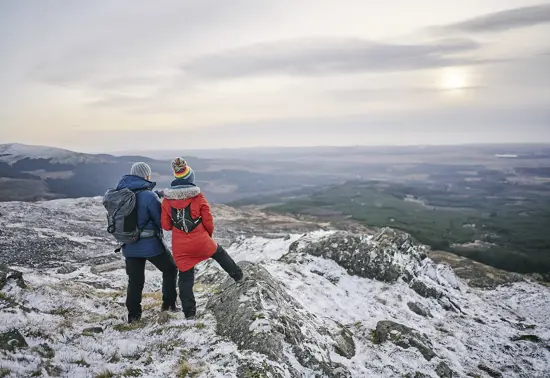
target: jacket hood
<point>135,183</point>
<point>181,193</point>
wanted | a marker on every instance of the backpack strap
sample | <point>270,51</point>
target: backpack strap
<point>182,220</point>
<point>139,228</point>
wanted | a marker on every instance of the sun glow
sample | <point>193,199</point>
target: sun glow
<point>454,79</point>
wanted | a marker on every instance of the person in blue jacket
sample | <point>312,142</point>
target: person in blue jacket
<point>149,247</point>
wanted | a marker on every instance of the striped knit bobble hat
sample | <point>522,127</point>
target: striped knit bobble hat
<point>182,170</point>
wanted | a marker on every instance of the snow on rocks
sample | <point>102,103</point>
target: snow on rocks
<point>272,323</point>
<point>319,297</point>
<point>386,256</point>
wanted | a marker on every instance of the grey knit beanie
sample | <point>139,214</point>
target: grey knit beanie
<point>141,169</point>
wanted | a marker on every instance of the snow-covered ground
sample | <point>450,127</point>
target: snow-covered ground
<point>72,319</point>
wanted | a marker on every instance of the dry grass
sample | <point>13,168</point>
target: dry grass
<point>125,327</point>
<point>185,370</point>
<point>105,374</point>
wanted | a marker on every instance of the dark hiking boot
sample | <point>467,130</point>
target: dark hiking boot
<point>171,308</point>
<point>241,280</point>
<point>133,318</point>
<point>190,315</point>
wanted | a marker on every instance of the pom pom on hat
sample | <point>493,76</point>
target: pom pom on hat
<point>182,170</point>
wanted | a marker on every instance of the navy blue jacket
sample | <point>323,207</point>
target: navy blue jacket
<point>148,216</point>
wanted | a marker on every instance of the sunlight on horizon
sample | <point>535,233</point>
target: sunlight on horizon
<point>454,78</point>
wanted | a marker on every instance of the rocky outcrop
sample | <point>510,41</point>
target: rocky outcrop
<point>404,337</point>
<point>424,290</point>
<point>416,374</point>
<point>67,269</point>
<point>259,315</point>
<point>532,338</point>
<point>386,256</point>
<point>345,346</point>
<point>492,372</point>
<point>419,309</point>
<point>444,371</point>
<point>45,351</point>
<point>10,274</point>
<point>12,340</point>
<point>474,273</point>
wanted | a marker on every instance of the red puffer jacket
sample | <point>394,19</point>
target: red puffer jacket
<point>189,249</point>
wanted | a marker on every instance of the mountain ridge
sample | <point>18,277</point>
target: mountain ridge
<point>12,152</point>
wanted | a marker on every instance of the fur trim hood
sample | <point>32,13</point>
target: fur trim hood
<point>181,193</point>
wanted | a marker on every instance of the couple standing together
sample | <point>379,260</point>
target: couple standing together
<point>184,211</point>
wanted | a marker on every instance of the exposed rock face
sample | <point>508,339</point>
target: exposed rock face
<point>416,375</point>
<point>12,340</point>
<point>424,290</point>
<point>45,351</point>
<point>385,256</point>
<point>532,338</point>
<point>307,318</point>
<point>419,309</point>
<point>474,273</point>
<point>7,274</point>
<point>92,330</point>
<point>444,371</point>
<point>259,315</point>
<point>67,269</point>
<point>492,372</point>
<point>345,346</point>
<point>404,337</point>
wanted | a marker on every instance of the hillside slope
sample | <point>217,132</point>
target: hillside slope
<point>31,173</point>
<point>317,303</point>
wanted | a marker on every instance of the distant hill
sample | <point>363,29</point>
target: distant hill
<point>38,172</point>
<point>31,173</point>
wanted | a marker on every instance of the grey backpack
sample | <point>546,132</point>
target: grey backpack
<point>122,215</point>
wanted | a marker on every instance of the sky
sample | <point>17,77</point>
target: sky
<point>101,76</point>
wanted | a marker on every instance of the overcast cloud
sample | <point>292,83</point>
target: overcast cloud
<point>206,74</point>
<point>505,20</point>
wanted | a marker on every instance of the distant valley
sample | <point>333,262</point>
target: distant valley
<point>31,173</point>
<point>488,203</point>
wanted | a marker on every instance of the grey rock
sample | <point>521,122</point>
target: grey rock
<point>45,351</point>
<point>10,274</point>
<point>492,372</point>
<point>416,374</point>
<point>53,370</point>
<point>424,290</point>
<point>12,340</point>
<point>67,269</point>
<point>92,330</point>
<point>404,337</point>
<point>532,338</point>
<point>448,304</point>
<point>259,315</point>
<point>419,309</point>
<point>260,370</point>
<point>480,321</point>
<point>379,257</point>
<point>444,371</point>
<point>345,346</point>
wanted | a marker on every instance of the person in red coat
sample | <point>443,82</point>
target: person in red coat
<point>186,212</point>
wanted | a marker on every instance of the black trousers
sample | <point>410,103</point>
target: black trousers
<point>135,268</point>
<point>187,280</point>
